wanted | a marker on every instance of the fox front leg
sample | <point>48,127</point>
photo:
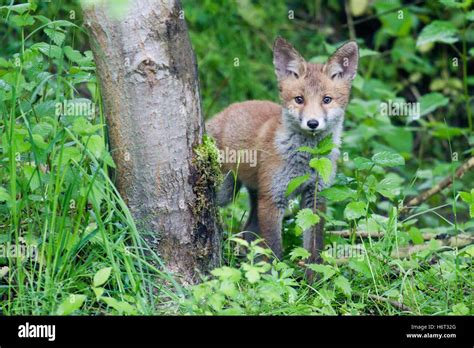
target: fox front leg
<point>313,238</point>
<point>270,217</point>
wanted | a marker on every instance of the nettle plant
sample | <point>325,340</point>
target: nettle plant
<point>365,188</point>
<point>322,166</point>
<point>255,287</point>
<point>362,190</point>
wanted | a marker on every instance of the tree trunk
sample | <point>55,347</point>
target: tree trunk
<point>148,77</point>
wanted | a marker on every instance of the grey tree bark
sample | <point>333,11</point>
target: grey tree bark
<point>148,77</point>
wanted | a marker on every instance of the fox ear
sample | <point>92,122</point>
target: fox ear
<point>287,61</point>
<point>343,63</point>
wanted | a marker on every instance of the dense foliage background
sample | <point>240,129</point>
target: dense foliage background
<point>56,196</point>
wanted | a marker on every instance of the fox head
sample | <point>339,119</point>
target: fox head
<point>314,96</point>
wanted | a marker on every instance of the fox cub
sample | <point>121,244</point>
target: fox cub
<point>313,101</point>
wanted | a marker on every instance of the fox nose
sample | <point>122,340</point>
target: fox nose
<point>313,124</point>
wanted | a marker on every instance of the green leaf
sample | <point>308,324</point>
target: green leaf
<point>398,138</point>
<point>323,166</point>
<point>232,311</point>
<point>455,3</point>
<point>306,219</point>
<point>240,241</point>
<point>22,20</point>
<point>227,273</point>
<point>4,195</point>
<point>388,159</point>
<point>98,292</point>
<point>63,23</point>
<point>326,270</point>
<point>120,306</point>
<point>360,266</point>
<point>338,193</point>
<point>270,293</point>
<point>343,284</point>
<point>470,16</point>
<point>365,52</point>
<point>201,291</point>
<point>325,146</point>
<point>76,56</point>
<point>438,31</point>
<point>362,163</point>
<point>51,51</point>
<point>355,210</point>
<point>295,183</point>
<point>358,7</point>
<point>20,8</point>
<point>416,235</point>
<point>388,187</point>
<point>82,126</point>
<point>299,253</point>
<point>467,197</point>
<point>228,288</point>
<point>432,101</point>
<point>69,154</point>
<point>252,274</point>
<point>70,304</point>
<point>216,301</point>
<point>442,130</point>
<point>460,309</point>
<point>107,158</point>
<point>43,128</point>
<point>308,149</point>
<point>95,144</point>
<point>31,176</point>
<point>469,250</point>
<point>102,276</point>
<point>39,142</point>
<point>393,23</point>
<point>55,35</point>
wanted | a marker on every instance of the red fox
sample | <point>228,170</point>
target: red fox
<point>313,101</point>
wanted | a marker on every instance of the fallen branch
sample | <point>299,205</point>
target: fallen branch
<point>360,234</point>
<point>447,181</point>
<point>378,235</point>
<point>459,241</point>
<point>449,242</point>
<point>394,303</point>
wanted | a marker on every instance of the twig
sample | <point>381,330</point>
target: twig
<point>360,234</point>
<point>394,303</point>
<point>217,95</point>
<point>447,181</point>
<point>445,241</point>
<point>362,20</point>
<point>426,236</point>
<point>350,22</point>
<point>459,241</point>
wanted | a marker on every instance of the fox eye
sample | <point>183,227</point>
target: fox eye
<point>327,99</point>
<point>299,100</point>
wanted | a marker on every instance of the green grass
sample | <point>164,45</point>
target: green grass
<point>57,198</point>
<point>367,279</point>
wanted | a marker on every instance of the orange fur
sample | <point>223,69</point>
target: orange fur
<point>270,130</point>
